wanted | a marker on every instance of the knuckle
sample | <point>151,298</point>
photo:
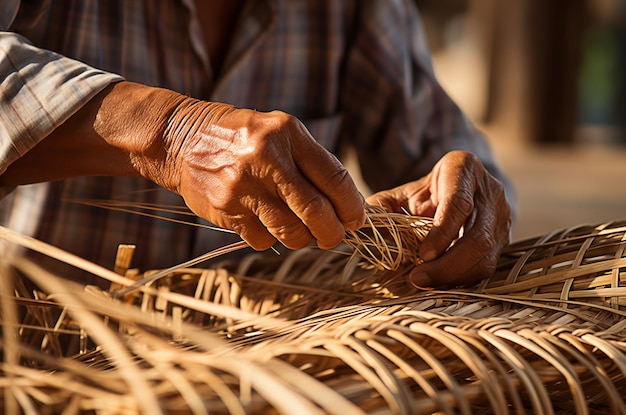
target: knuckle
<point>278,121</point>
<point>281,117</point>
<point>340,178</point>
<point>464,158</point>
<point>313,207</point>
<point>462,204</point>
<point>471,159</point>
<point>264,130</point>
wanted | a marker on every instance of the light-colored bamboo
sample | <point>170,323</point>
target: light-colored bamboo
<point>323,332</point>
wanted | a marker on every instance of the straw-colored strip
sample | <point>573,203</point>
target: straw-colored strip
<point>329,332</point>
<point>389,241</point>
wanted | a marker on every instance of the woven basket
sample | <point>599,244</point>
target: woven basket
<point>319,332</point>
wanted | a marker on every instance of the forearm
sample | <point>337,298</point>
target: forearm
<point>119,132</point>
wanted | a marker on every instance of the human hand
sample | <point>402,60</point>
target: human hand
<point>468,207</point>
<point>261,175</point>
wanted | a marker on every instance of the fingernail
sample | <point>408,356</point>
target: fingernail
<point>420,280</point>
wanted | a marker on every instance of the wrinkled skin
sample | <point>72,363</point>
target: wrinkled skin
<point>263,176</point>
<point>259,174</point>
<point>463,198</point>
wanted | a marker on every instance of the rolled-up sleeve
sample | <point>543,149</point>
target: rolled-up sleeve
<point>39,90</point>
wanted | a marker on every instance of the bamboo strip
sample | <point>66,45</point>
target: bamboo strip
<point>325,332</point>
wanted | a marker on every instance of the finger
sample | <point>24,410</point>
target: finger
<point>472,257</point>
<point>391,200</point>
<point>315,213</point>
<point>251,230</point>
<point>446,278</point>
<point>266,220</point>
<point>413,198</point>
<point>332,179</point>
<point>454,198</point>
<point>463,264</point>
<point>281,222</point>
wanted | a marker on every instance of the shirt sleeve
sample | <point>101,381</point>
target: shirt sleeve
<point>8,11</point>
<point>397,116</point>
<point>39,90</point>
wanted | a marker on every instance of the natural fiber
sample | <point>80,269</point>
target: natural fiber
<point>389,241</point>
<point>323,332</point>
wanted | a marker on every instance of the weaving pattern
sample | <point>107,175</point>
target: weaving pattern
<point>324,332</point>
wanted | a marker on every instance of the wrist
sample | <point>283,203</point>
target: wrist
<point>134,118</point>
<point>189,122</point>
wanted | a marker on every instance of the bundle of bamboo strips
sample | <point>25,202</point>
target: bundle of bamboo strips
<point>323,332</point>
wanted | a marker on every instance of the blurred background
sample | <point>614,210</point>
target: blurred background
<point>546,82</point>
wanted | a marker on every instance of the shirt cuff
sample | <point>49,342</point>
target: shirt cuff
<point>39,90</point>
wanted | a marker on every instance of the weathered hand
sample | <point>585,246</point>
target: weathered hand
<point>261,175</point>
<point>468,207</point>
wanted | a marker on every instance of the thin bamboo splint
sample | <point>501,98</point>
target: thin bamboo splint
<point>323,332</point>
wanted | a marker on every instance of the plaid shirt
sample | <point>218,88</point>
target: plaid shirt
<point>357,73</point>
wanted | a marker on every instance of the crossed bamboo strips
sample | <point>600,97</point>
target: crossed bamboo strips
<point>323,332</point>
<point>389,241</point>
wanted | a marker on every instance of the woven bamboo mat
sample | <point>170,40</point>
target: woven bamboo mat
<point>323,332</point>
